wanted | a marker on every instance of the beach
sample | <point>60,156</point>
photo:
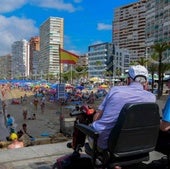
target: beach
<point>45,124</point>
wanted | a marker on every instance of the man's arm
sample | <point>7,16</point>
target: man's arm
<point>165,122</point>
<point>97,115</point>
<point>164,126</point>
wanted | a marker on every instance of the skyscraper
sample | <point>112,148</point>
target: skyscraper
<point>51,37</point>
<point>158,24</point>
<point>34,49</point>
<point>20,59</point>
<point>129,28</point>
<point>100,59</point>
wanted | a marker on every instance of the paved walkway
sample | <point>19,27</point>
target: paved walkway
<point>33,157</point>
<point>39,157</point>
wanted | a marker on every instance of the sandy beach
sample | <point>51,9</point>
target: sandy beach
<point>45,124</point>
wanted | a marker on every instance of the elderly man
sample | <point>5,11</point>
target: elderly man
<point>108,111</point>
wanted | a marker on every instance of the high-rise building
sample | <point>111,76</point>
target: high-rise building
<point>5,65</point>
<point>121,61</point>
<point>34,51</point>
<point>158,23</point>
<point>20,59</point>
<point>51,37</point>
<point>100,60</point>
<point>129,28</point>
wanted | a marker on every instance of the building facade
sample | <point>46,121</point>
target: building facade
<point>121,61</point>
<point>5,65</point>
<point>82,61</point>
<point>129,28</point>
<point>34,51</point>
<point>20,59</point>
<point>158,24</point>
<point>51,38</point>
<point>100,60</point>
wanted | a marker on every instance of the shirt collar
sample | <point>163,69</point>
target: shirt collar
<point>136,85</point>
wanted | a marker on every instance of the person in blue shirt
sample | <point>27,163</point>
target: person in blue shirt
<point>165,122</point>
<point>163,142</point>
<point>9,121</point>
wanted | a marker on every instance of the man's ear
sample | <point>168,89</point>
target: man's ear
<point>128,80</point>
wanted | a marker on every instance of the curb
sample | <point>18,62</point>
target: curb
<point>40,141</point>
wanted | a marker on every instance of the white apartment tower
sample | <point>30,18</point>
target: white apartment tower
<point>129,28</point>
<point>20,59</point>
<point>51,37</point>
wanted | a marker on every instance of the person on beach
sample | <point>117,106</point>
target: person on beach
<point>42,104</point>
<point>25,97</point>
<point>24,136</point>
<point>4,107</point>
<point>15,142</point>
<point>9,121</point>
<point>25,113</point>
<point>4,133</point>
<point>35,102</point>
<point>21,100</point>
<point>91,98</point>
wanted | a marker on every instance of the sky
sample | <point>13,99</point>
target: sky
<point>86,22</point>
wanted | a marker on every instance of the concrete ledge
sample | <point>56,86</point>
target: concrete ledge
<point>40,141</point>
<point>59,137</point>
<point>32,152</point>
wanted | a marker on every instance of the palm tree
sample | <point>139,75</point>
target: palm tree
<point>118,72</point>
<point>159,48</point>
<point>142,61</point>
<point>132,63</point>
<point>109,74</point>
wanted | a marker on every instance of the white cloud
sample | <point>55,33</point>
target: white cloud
<point>11,5</point>
<point>13,29</point>
<point>102,26</point>
<point>55,4</point>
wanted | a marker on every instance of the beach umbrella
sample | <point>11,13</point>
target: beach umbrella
<point>103,86</point>
<point>54,86</point>
<point>52,91</point>
<point>95,79</point>
<point>80,87</point>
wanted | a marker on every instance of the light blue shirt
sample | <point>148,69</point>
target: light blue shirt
<point>111,106</point>
<point>166,111</point>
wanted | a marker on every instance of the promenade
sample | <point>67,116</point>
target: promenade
<point>40,157</point>
<point>33,157</point>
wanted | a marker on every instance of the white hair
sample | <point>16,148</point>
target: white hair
<point>140,79</point>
